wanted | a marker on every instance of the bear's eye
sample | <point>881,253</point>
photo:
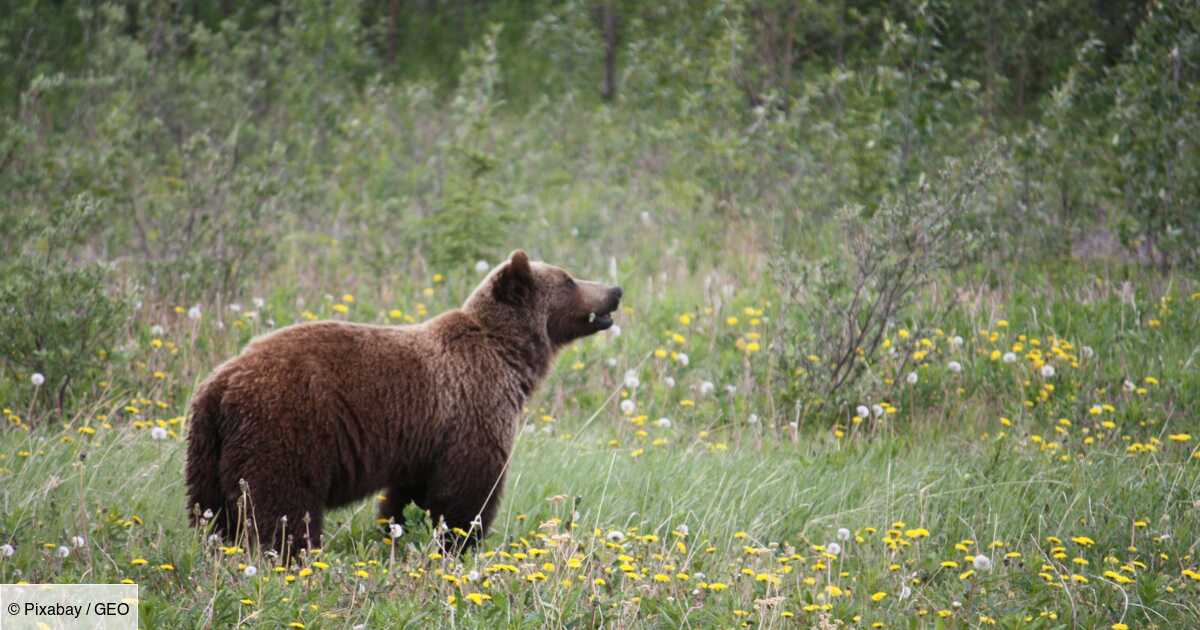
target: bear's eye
<point>569,282</point>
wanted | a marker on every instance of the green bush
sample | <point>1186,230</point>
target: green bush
<point>58,319</point>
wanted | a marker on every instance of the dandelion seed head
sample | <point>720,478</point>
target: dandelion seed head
<point>7,550</point>
<point>250,570</point>
<point>954,366</point>
<point>911,378</point>
<point>1009,357</point>
<point>482,266</point>
<point>706,388</point>
<point>663,423</point>
<point>631,379</point>
<point>627,406</point>
<point>37,379</point>
<point>982,563</point>
<point>843,534</point>
<point>194,312</point>
<point>158,433</point>
<point>833,548</point>
<point>395,530</point>
<point>862,411</point>
<point>62,552</point>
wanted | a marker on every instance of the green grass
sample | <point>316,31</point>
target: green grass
<point>758,501</point>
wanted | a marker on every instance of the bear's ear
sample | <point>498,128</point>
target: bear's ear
<point>514,283</point>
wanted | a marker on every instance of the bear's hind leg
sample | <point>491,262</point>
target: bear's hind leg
<point>280,513</point>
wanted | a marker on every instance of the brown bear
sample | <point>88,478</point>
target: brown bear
<point>317,415</point>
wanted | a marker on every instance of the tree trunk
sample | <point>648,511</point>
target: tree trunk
<point>609,24</point>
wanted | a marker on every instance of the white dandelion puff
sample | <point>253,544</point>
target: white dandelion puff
<point>1010,357</point>
<point>631,379</point>
<point>752,418</point>
<point>956,341</point>
<point>1047,371</point>
<point>669,381</point>
<point>158,433</point>
<point>877,410</point>
<point>683,359</point>
<point>7,550</point>
<point>482,266</point>
<point>905,593</point>
<point>954,366</point>
<point>862,411</point>
<point>833,548</point>
<point>615,331</point>
<point>157,330</point>
<point>258,302</point>
<point>627,406</point>
<point>194,312</point>
<point>843,534</point>
<point>78,541</point>
<point>395,530</point>
<point>616,536</point>
<point>982,563</point>
<point>62,552</point>
<point>250,570</point>
<point>911,378</point>
<point>663,423</point>
<point>37,379</point>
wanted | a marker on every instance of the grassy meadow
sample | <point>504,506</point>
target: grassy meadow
<point>991,493</point>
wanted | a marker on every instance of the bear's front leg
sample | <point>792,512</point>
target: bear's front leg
<point>398,496</point>
<point>466,496</point>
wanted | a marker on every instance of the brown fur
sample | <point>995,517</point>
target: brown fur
<point>321,414</point>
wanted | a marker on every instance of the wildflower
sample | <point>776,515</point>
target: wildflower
<point>843,534</point>
<point>194,312</point>
<point>905,592</point>
<point>615,331</point>
<point>250,570</point>
<point>669,382</point>
<point>37,379</point>
<point>706,388</point>
<point>982,563</point>
<point>616,536</point>
<point>1009,357</point>
<point>833,548</point>
<point>877,410</point>
<point>1120,626</point>
<point>663,423</point>
<point>1047,371</point>
<point>627,406</point>
<point>341,308</point>
<point>158,433</point>
<point>878,597</point>
<point>682,358</point>
<point>481,266</point>
<point>395,530</point>
<point>78,541</point>
<point>954,366</point>
<point>752,419</point>
<point>956,341</point>
<point>1179,437</point>
<point>157,330</point>
<point>1087,352</point>
<point>62,552</point>
<point>862,411</point>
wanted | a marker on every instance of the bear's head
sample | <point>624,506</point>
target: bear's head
<point>545,299</point>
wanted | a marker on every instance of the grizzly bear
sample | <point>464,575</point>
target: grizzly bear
<point>321,414</point>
